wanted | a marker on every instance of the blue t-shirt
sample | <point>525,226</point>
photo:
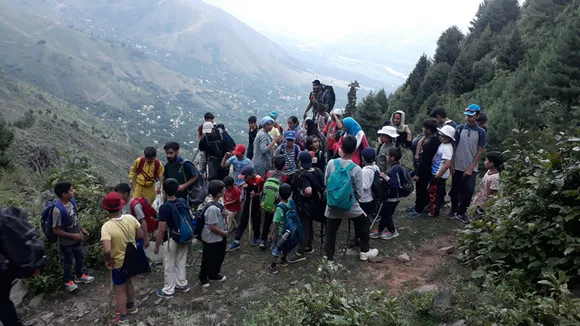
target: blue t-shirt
<point>238,166</point>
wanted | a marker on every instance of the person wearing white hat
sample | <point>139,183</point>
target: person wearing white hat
<point>440,169</point>
<point>331,129</point>
<point>387,136</point>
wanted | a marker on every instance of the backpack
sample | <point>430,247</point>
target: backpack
<point>46,217</point>
<point>377,187</point>
<point>296,148</point>
<point>216,146</point>
<point>291,223</point>
<point>199,218</point>
<point>181,228</point>
<point>331,96</point>
<point>407,187</point>
<point>340,193</point>
<point>20,243</point>
<point>141,165</point>
<point>197,192</point>
<point>314,205</point>
<point>149,212</point>
<point>270,194</point>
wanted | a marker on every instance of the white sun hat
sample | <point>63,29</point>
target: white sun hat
<point>448,131</point>
<point>389,131</point>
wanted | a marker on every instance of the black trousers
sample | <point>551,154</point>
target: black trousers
<point>268,217</point>
<point>361,226</point>
<point>308,237</point>
<point>212,258</point>
<point>256,219</point>
<point>422,193</point>
<point>8,315</point>
<point>369,209</point>
<point>386,214</point>
<point>215,170</point>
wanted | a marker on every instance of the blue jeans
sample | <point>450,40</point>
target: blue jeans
<point>67,254</point>
<point>462,189</point>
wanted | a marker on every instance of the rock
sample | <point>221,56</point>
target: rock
<point>442,302</point>
<point>151,321</point>
<point>158,301</point>
<point>240,272</point>
<point>61,321</point>
<point>141,323</point>
<point>404,258</point>
<point>220,291</point>
<point>245,294</point>
<point>103,307</point>
<point>459,323</point>
<point>161,310</point>
<point>152,256</point>
<point>96,321</point>
<point>243,256</point>
<point>446,250</point>
<point>376,259</point>
<point>36,301</point>
<point>426,289</point>
<point>144,292</point>
<point>198,300</point>
<point>80,306</point>
<point>18,292</point>
<point>294,282</point>
<point>47,317</point>
<point>35,322</point>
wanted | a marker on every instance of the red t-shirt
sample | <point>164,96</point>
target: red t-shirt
<point>255,185</point>
<point>284,177</point>
<point>330,131</point>
<point>231,195</point>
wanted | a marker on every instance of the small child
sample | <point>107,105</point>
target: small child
<point>238,158</point>
<point>277,230</point>
<point>278,172</point>
<point>214,236</point>
<point>67,227</point>
<point>393,181</point>
<point>440,169</point>
<point>491,181</point>
<point>116,233</point>
<point>232,199</point>
<point>124,190</point>
<point>482,121</point>
<point>252,189</point>
<point>366,201</point>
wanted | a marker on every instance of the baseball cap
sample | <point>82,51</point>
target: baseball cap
<point>207,127</point>
<point>113,202</point>
<point>472,109</point>
<point>305,159</point>
<point>448,131</point>
<point>290,135</point>
<point>240,149</point>
<point>246,171</point>
<point>369,154</point>
<point>273,115</point>
<point>389,131</point>
<point>339,112</point>
<point>265,121</point>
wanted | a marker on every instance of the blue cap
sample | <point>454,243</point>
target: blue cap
<point>247,170</point>
<point>273,115</point>
<point>472,109</point>
<point>305,159</point>
<point>368,154</point>
<point>265,121</point>
<point>290,135</point>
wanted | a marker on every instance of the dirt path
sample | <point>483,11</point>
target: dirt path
<point>250,287</point>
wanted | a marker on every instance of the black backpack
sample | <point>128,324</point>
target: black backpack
<point>313,206</point>
<point>20,244</point>
<point>199,218</point>
<point>377,187</point>
<point>331,96</point>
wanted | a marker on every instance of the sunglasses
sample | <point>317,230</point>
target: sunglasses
<point>470,111</point>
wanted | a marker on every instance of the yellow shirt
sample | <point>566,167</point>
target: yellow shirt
<point>147,177</point>
<point>120,231</point>
<point>274,132</point>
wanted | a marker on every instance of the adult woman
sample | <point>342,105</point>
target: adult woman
<point>294,125</point>
<point>351,127</point>
<point>263,147</point>
<point>398,121</point>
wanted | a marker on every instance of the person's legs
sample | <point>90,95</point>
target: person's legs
<point>205,268</point>
<point>440,194</point>
<point>181,264</point>
<point>433,191</point>
<point>310,223</point>
<point>256,218</point>
<point>121,296</point>
<point>307,227</point>
<point>387,217</point>
<point>130,294</point>
<point>149,193</point>
<point>67,261</point>
<point>79,255</point>
<point>138,191</point>
<point>220,254</point>
<point>213,170</point>
<point>361,226</point>
<point>243,221</point>
<point>268,217</point>
<point>8,314</point>
<point>169,266</point>
<point>467,193</point>
<point>421,192</point>
<point>455,190</point>
<point>332,225</point>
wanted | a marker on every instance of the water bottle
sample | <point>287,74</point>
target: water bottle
<point>285,237</point>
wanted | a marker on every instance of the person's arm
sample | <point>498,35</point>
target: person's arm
<point>212,216</point>
<point>444,168</point>
<point>140,216</point>
<point>409,136</point>
<point>160,233</point>
<point>226,162</point>
<point>272,233</point>
<point>338,122</point>
<point>141,233</point>
<point>109,262</point>
<point>214,229</point>
<point>358,183</point>
<point>133,172</point>
<point>480,149</point>
<point>194,176</point>
<point>307,110</point>
<point>57,227</point>
<point>419,147</point>
<point>160,173</point>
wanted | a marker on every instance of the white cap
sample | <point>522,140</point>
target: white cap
<point>207,127</point>
<point>389,131</point>
<point>339,112</point>
<point>448,131</point>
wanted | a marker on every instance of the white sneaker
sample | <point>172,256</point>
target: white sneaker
<point>366,255</point>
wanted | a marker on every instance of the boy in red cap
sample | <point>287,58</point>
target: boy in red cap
<point>239,160</point>
<point>115,235</point>
<point>252,190</point>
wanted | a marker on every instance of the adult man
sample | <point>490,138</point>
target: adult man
<point>252,132</point>
<point>215,144</point>
<point>263,147</point>
<point>440,114</point>
<point>179,169</point>
<point>470,140</point>
<point>143,174</point>
<point>319,100</point>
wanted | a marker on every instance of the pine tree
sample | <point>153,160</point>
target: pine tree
<point>368,112</point>
<point>351,105</point>
<point>511,51</point>
<point>416,77</point>
<point>501,13</point>
<point>448,46</point>
<point>435,82</point>
<point>482,72</point>
<point>482,45</point>
<point>460,80</point>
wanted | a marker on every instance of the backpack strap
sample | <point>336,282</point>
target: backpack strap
<point>296,151</point>
<point>141,165</point>
<point>156,168</point>
<point>134,202</point>
<point>63,213</point>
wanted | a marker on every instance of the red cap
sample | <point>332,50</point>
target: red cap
<point>239,150</point>
<point>113,202</point>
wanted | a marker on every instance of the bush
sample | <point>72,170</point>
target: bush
<point>326,301</point>
<point>26,121</point>
<point>6,138</point>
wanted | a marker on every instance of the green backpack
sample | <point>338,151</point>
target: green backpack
<point>270,194</point>
<point>339,191</point>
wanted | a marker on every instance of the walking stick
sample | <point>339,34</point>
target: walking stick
<point>377,216</point>
<point>250,219</point>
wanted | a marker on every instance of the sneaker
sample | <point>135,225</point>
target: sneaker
<point>262,244</point>
<point>234,246</point>
<point>463,218</point>
<point>162,294</point>
<point>133,310</point>
<point>255,241</point>
<point>272,269</point>
<point>70,286</point>
<point>184,289</point>
<point>411,209</point>
<point>283,262</point>
<point>122,320</point>
<point>297,257</point>
<point>376,235</point>
<point>84,279</point>
<point>452,216</point>
<point>389,235</point>
<point>366,255</point>
<point>219,278</point>
<point>309,250</point>
<point>204,283</point>
<point>415,214</point>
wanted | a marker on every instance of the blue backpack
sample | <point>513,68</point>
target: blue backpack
<point>293,224</point>
<point>47,221</point>
<point>181,229</point>
<point>339,191</point>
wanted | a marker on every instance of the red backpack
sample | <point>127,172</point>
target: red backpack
<point>142,161</point>
<point>148,210</point>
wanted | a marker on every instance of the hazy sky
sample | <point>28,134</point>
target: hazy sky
<point>297,19</point>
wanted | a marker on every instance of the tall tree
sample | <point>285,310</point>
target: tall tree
<point>448,46</point>
<point>511,51</point>
<point>368,112</point>
<point>460,80</point>
<point>435,82</point>
<point>351,96</point>
<point>416,77</point>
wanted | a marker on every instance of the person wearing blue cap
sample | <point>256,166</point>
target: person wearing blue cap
<point>289,150</point>
<point>263,145</point>
<point>470,142</point>
<point>277,130</point>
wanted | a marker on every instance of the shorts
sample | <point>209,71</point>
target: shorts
<point>118,277</point>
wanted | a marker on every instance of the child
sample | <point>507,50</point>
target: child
<point>174,254</point>
<point>115,235</point>
<point>252,132</point>
<point>67,227</point>
<point>366,201</point>
<point>387,136</point>
<point>124,191</point>
<point>279,256</point>
<point>440,169</point>
<point>490,182</point>
<point>318,155</point>
<point>144,172</point>
<point>482,121</point>
<point>238,160</point>
<point>214,236</point>
<point>278,172</point>
<point>232,200</point>
<point>252,189</point>
<point>393,183</point>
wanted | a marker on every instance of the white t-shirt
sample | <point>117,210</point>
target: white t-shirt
<point>368,175</point>
<point>444,153</point>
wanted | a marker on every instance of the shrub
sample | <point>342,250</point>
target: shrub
<point>26,121</point>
